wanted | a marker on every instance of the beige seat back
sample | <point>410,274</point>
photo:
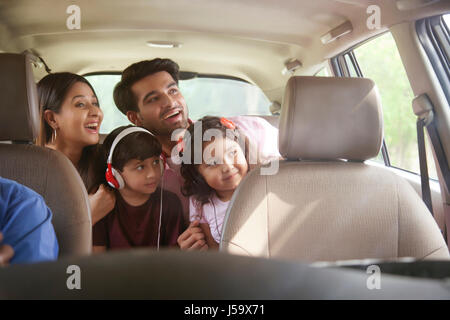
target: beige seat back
<point>323,207</point>
<point>47,172</point>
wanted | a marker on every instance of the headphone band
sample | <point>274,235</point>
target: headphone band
<point>121,135</point>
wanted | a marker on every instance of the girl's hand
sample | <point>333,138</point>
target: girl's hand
<point>192,238</point>
<point>102,202</point>
<point>212,244</point>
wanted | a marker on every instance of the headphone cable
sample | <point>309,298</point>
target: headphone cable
<point>160,211</point>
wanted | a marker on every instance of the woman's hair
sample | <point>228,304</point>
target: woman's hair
<point>52,90</point>
<point>194,183</point>
<point>137,145</point>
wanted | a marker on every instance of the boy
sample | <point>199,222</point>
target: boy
<point>135,170</point>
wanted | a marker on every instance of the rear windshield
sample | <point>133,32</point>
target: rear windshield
<point>204,96</point>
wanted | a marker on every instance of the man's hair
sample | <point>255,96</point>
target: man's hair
<point>136,145</point>
<point>124,97</point>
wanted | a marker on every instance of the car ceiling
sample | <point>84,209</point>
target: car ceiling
<point>250,39</point>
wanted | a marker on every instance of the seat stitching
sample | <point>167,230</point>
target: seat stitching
<point>235,244</point>
<point>429,254</point>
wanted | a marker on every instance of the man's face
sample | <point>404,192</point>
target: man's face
<point>161,105</point>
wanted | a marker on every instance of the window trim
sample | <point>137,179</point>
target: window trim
<point>354,61</point>
<point>431,45</point>
<point>183,75</point>
<point>440,62</point>
<point>338,64</point>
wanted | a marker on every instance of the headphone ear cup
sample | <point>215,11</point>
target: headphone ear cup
<point>118,177</point>
<point>112,181</point>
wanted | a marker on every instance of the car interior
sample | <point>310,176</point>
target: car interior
<point>350,85</point>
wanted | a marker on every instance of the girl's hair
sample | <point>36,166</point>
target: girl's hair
<point>194,183</point>
<point>136,145</point>
<point>52,90</point>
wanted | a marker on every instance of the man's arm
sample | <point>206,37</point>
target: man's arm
<point>27,226</point>
<point>6,252</point>
<point>262,136</point>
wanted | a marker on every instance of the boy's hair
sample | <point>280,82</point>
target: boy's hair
<point>124,97</point>
<point>194,183</point>
<point>136,145</point>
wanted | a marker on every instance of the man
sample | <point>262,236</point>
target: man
<point>149,96</point>
<point>26,231</point>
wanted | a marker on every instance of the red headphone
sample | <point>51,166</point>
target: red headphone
<point>112,175</point>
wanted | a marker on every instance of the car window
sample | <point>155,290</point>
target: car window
<point>204,96</point>
<point>351,67</point>
<point>104,86</point>
<point>380,61</point>
<point>324,72</point>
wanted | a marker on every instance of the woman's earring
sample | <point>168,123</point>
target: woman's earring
<point>54,136</point>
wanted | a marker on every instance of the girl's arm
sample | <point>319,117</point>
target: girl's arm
<point>212,244</point>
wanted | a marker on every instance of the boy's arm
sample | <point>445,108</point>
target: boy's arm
<point>98,249</point>
<point>99,237</point>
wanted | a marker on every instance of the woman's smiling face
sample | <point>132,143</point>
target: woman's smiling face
<point>78,121</point>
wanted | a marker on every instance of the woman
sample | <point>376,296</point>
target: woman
<point>70,123</point>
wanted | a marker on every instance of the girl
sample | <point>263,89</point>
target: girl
<point>211,184</point>
<point>70,123</point>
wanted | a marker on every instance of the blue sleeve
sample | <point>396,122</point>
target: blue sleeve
<point>26,225</point>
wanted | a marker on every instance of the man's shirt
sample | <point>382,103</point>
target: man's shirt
<point>25,221</point>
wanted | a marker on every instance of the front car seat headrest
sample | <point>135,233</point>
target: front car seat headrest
<point>19,103</point>
<point>328,118</point>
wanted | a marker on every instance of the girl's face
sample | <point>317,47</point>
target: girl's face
<point>224,166</point>
<point>78,122</point>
